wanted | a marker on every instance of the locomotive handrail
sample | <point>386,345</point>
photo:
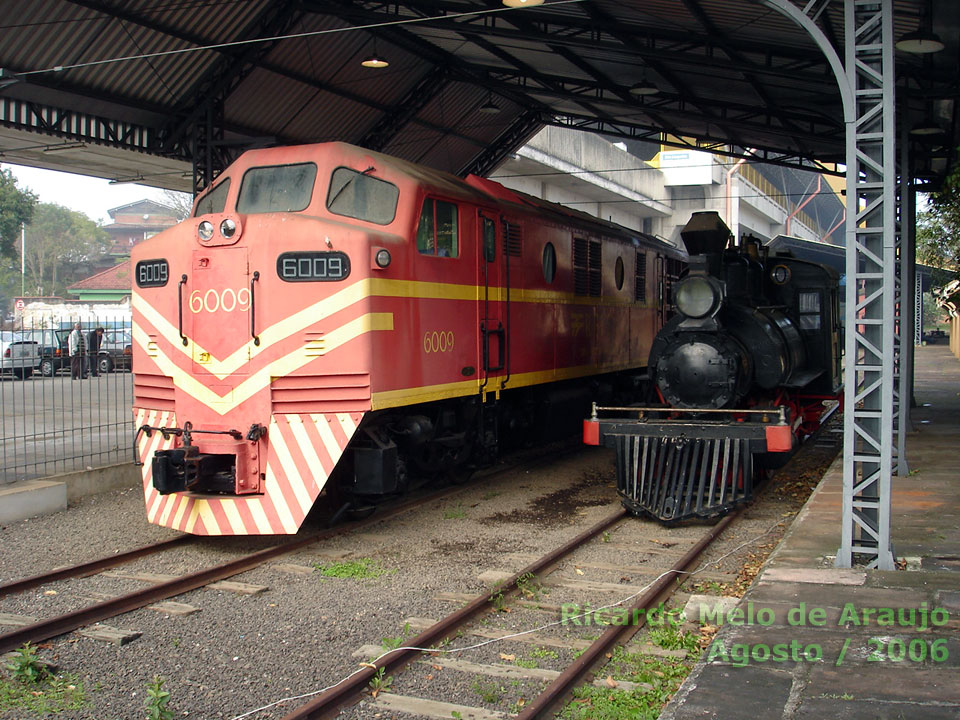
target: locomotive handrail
<point>253,308</point>
<point>183,338</point>
<point>780,410</point>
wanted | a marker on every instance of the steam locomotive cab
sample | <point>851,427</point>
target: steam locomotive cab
<point>749,364</point>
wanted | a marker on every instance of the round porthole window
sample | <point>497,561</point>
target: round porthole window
<point>618,273</point>
<point>549,262</point>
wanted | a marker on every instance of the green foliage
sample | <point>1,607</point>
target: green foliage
<point>938,229</point>
<point>26,666</point>
<point>380,682</point>
<point>598,703</point>
<point>157,700</point>
<point>489,692</point>
<point>392,643</point>
<point>529,586</point>
<point>542,652</point>
<point>49,696</point>
<point>496,599</point>
<point>524,663</point>
<point>357,569</point>
<point>60,245</point>
<point>16,207</point>
<point>454,513</point>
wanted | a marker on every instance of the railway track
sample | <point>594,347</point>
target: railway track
<point>371,674</point>
<point>428,647</point>
<point>45,629</point>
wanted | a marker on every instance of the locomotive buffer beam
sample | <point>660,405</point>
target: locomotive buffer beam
<point>680,468</point>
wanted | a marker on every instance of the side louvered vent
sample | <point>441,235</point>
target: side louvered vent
<point>586,267</point>
<point>640,290</point>
<point>512,239</point>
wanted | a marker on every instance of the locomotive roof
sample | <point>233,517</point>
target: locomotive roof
<point>473,189</point>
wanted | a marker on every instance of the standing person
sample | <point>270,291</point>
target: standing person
<point>93,347</point>
<point>75,348</point>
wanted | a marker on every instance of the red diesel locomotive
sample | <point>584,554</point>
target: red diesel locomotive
<point>332,319</point>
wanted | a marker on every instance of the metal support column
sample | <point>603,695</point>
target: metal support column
<point>917,303</point>
<point>871,259</point>
<point>907,272</point>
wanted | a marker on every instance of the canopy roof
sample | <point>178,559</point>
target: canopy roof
<point>130,89</point>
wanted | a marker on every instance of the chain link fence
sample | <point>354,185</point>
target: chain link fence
<point>57,413</point>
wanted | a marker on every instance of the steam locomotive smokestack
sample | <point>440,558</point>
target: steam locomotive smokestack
<point>705,233</point>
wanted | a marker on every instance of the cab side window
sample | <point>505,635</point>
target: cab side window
<point>438,232</point>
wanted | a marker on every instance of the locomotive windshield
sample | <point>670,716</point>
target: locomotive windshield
<point>282,188</point>
<point>357,195</point>
<point>214,201</point>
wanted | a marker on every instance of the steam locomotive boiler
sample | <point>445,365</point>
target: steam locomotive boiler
<point>747,367</point>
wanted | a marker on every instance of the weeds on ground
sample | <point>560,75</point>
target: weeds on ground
<point>392,643</point>
<point>380,682</point>
<point>157,700</point>
<point>529,586</point>
<point>360,569</point>
<point>489,692</point>
<point>598,703</point>
<point>670,637</point>
<point>32,688</point>
<point>542,652</point>
<point>454,513</point>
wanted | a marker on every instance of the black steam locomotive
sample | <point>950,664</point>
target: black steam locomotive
<point>748,365</point>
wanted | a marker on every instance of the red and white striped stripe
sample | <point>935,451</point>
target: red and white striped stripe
<point>303,449</point>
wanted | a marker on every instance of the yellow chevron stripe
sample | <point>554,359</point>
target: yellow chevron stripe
<point>229,506</point>
<point>222,404</point>
<point>360,290</point>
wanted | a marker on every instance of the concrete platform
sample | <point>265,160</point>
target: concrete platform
<point>31,498</point>
<point>880,644</point>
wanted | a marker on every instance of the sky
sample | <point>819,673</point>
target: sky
<point>89,195</point>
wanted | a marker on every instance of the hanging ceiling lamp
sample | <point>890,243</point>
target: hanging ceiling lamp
<point>920,42</point>
<point>644,88</point>
<point>489,107</point>
<point>375,60</point>
<point>926,128</point>
<point>522,3</point>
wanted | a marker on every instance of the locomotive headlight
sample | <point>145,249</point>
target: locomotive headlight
<point>382,258</point>
<point>228,228</point>
<point>697,297</point>
<point>205,230</point>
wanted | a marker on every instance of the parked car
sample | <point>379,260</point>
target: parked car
<point>53,349</point>
<point>18,355</point>
<point>116,350</point>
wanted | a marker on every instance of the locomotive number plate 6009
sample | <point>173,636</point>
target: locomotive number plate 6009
<point>152,273</point>
<point>313,266</point>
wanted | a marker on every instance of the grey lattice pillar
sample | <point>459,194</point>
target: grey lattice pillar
<point>871,258</point>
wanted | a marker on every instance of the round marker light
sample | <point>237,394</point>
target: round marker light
<point>228,228</point>
<point>382,258</point>
<point>697,297</point>
<point>205,230</point>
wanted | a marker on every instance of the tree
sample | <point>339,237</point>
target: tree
<point>60,247</point>
<point>938,229</point>
<point>181,202</point>
<point>16,208</point>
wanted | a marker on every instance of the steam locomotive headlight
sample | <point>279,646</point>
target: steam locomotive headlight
<point>382,258</point>
<point>697,297</point>
<point>228,228</point>
<point>205,230</point>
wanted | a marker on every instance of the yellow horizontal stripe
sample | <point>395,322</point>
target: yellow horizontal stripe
<point>360,290</point>
<point>430,393</point>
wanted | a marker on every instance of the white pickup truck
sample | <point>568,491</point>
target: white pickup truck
<point>18,355</point>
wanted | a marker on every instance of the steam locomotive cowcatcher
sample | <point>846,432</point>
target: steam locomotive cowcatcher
<point>748,367</point>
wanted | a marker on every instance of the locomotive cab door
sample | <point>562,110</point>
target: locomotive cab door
<point>217,299</point>
<point>493,321</point>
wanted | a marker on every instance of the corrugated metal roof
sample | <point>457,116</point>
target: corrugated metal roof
<point>730,71</point>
